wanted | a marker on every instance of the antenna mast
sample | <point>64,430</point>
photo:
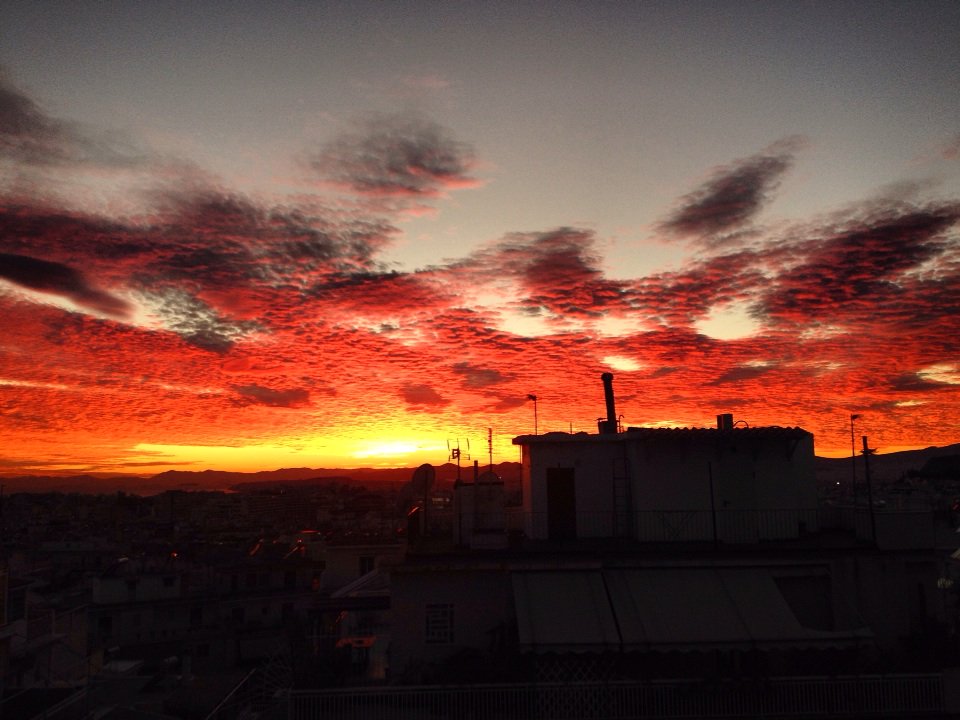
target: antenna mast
<point>490,446</point>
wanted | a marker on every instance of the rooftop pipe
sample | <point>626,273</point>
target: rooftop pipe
<point>608,426</point>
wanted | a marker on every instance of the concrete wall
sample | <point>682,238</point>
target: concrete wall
<point>595,464</point>
<point>675,485</point>
<point>136,587</point>
<point>343,562</point>
<point>482,602</point>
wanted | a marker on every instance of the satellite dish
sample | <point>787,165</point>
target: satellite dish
<point>489,477</point>
<point>423,479</point>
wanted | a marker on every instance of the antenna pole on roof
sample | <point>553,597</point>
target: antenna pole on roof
<point>490,446</point>
<point>867,452</point>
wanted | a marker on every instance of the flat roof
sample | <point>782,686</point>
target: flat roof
<point>663,434</point>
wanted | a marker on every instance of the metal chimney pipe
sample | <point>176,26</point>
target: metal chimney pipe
<point>609,427</point>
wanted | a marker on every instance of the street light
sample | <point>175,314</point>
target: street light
<point>534,398</point>
<point>853,459</point>
<point>867,452</point>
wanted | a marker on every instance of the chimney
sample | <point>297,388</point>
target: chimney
<point>608,426</point>
<point>725,421</point>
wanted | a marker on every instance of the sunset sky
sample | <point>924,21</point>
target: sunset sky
<point>255,235</point>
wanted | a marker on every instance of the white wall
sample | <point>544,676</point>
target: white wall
<point>757,484</point>
<point>595,462</point>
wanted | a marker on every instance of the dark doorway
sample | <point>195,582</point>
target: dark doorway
<point>561,504</point>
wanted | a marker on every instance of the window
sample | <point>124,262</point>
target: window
<point>366,564</point>
<point>169,581</point>
<point>438,629</point>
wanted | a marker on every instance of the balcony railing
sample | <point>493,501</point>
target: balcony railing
<point>894,528</point>
<point>861,696</point>
<point>672,525</point>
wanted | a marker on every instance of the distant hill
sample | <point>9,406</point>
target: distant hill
<point>884,468</point>
<point>226,480</point>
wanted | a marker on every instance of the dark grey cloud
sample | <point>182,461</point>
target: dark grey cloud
<point>291,398</point>
<point>559,270</point>
<point>741,373</point>
<point>914,382</point>
<point>860,269</point>
<point>479,377</point>
<point>735,194</point>
<point>397,155</point>
<point>422,395</point>
<point>198,323</point>
<point>59,279</point>
<point>29,136</point>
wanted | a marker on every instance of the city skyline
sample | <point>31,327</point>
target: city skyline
<point>338,235</point>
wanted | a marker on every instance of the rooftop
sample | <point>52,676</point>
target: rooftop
<point>664,434</point>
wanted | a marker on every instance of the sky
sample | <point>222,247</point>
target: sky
<point>251,235</point>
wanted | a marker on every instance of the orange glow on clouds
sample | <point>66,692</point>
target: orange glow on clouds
<point>216,330</point>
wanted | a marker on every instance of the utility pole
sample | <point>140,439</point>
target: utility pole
<point>490,446</point>
<point>867,452</point>
<point>853,460</point>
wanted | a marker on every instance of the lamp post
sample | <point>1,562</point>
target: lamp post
<point>534,398</point>
<point>853,459</point>
<point>867,452</point>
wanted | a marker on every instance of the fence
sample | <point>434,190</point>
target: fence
<point>859,696</point>
<point>668,525</point>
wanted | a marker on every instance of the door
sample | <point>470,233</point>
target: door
<point>561,504</point>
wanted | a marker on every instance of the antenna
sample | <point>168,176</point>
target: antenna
<point>454,453</point>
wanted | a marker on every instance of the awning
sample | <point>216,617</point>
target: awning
<point>688,609</point>
<point>564,611</point>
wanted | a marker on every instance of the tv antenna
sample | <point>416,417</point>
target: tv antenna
<point>490,446</point>
<point>454,453</point>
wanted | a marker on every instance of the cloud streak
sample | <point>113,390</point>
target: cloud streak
<point>58,279</point>
<point>31,137</point>
<point>397,156</point>
<point>733,197</point>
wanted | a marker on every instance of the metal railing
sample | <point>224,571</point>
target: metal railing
<point>910,528</point>
<point>669,525</point>
<point>776,697</point>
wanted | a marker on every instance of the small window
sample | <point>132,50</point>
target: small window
<point>438,628</point>
<point>168,581</point>
<point>366,564</point>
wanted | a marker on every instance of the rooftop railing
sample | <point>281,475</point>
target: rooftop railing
<point>861,696</point>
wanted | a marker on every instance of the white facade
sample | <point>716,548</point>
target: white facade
<point>732,485</point>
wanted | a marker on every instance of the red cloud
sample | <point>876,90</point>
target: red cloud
<point>242,313</point>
